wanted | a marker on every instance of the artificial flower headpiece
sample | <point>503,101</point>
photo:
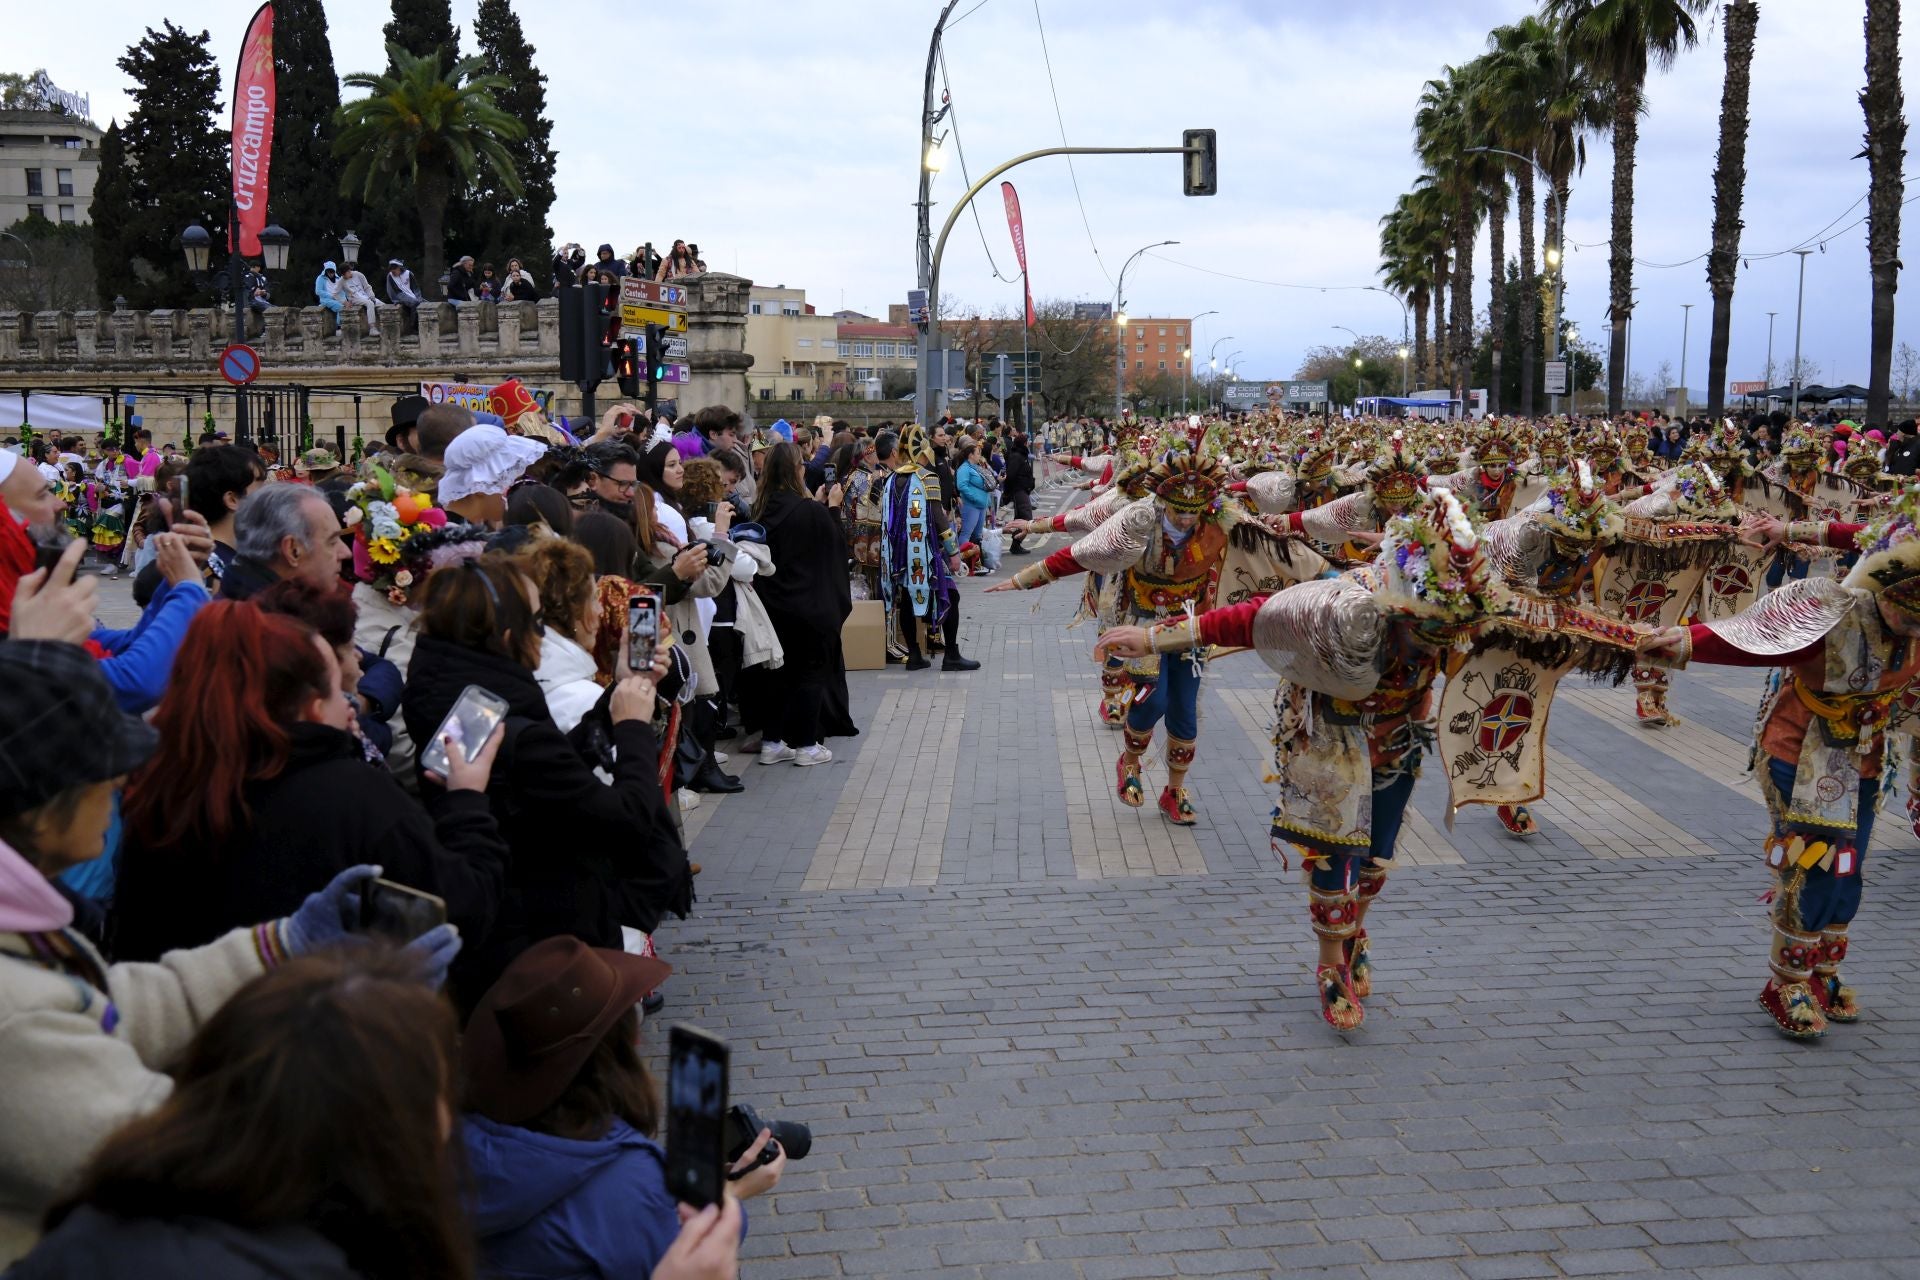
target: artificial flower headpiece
<point>1433,566</point>
<point>1889,564</point>
<point>1576,510</point>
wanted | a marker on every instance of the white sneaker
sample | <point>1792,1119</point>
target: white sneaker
<point>811,755</point>
<point>775,752</point>
<point>689,800</point>
<point>721,757</point>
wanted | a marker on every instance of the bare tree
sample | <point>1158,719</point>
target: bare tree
<point>1906,363</point>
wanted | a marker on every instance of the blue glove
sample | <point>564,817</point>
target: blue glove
<point>435,950</point>
<point>328,917</point>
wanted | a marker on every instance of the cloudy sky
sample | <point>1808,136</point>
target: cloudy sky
<point>782,136</point>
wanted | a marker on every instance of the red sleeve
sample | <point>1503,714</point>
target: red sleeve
<point>1710,648</point>
<point>1061,563</point>
<point>1238,486</point>
<point>1231,627</point>
<point>1073,460</point>
<point>1295,523</point>
<point>1841,535</point>
<point>1106,473</point>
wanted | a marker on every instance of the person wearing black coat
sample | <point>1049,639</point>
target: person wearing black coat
<point>324,812</point>
<point>105,1246</point>
<point>807,599</point>
<point>587,857</point>
<point>1018,486</point>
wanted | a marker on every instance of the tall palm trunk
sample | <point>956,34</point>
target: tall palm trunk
<point>1729,184</point>
<point>1420,299</point>
<point>1461,336</point>
<point>1626,140</point>
<point>1497,284</point>
<point>1529,289</point>
<point>1881,102</point>
<point>430,193</point>
<point>1441,369</point>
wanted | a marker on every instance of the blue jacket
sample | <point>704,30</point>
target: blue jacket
<point>973,485</point>
<point>553,1207</point>
<point>143,654</point>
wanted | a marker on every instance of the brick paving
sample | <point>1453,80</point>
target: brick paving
<point>1030,1051</point>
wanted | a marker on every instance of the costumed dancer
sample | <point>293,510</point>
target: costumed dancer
<point>1349,527</point>
<point>1848,651</point>
<point>1187,546</point>
<point>1357,655</point>
<point>920,554</point>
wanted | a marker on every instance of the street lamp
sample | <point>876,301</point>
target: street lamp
<point>1799,311</point>
<point>1120,319</point>
<point>196,243</point>
<point>1686,319</point>
<point>350,250</point>
<point>1552,254</point>
<point>936,155</point>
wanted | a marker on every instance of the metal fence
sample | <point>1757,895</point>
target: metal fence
<point>277,414</point>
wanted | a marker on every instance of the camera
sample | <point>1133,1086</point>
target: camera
<point>744,1125</point>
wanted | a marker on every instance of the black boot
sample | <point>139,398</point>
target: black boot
<point>716,781</point>
<point>954,662</point>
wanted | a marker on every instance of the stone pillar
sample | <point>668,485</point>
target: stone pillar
<point>160,329</point>
<point>717,358</point>
<point>200,338</point>
<point>86,333</point>
<point>46,330</point>
<point>275,321</point>
<point>392,320</point>
<point>509,315</point>
<point>311,320</point>
<point>430,316</point>
<point>466,319</point>
<point>10,336</point>
<point>353,327</point>
<point>546,314</point>
<point>123,335</point>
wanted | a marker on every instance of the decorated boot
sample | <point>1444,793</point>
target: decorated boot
<point>1650,702</point>
<point>1175,804</point>
<point>1131,790</point>
<point>1788,996</point>
<point>1359,952</point>
<point>1518,819</point>
<point>1336,916</point>
<point>1836,998</point>
<point>1114,698</point>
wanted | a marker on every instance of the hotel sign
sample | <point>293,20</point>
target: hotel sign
<point>58,99</point>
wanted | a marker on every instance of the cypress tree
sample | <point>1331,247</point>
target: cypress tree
<point>502,225</point>
<point>176,155</point>
<point>421,26</point>
<point>111,213</point>
<point>305,179</point>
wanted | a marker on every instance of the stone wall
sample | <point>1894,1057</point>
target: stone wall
<point>170,356</point>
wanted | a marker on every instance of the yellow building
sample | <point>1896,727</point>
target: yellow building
<point>796,353</point>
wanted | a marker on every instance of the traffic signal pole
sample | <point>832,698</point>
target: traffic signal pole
<point>1202,150</point>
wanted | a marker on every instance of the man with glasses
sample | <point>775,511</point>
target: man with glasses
<point>613,473</point>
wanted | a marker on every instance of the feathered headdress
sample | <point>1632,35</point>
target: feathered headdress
<point>1433,566</point>
<point>1699,497</point>
<point>1190,476</point>
<point>1889,564</point>
<point>1392,478</point>
<point>1495,447</point>
<point>1576,509</point>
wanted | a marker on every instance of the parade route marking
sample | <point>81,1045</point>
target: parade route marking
<point>890,823</point>
<point>1109,840</point>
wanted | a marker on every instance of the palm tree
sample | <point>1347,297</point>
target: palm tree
<point>1429,230</point>
<point>1516,89</point>
<point>1407,266</point>
<point>1443,132</point>
<point>427,128</point>
<point>1617,41</point>
<point>1729,184</point>
<point>1885,151</point>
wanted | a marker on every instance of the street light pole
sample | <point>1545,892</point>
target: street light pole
<point>1406,331</point>
<point>1770,316</point>
<point>197,244</point>
<point>1686,320</point>
<point>1186,357</point>
<point>1555,255</point>
<point>925,396</point>
<point>1120,325</point>
<point>1799,313</point>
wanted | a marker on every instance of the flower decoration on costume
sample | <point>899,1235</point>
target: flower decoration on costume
<point>389,524</point>
<point>1889,563</point>
<point>1698,495</point>
<point>1432,564</point>
<point>1576,510</point>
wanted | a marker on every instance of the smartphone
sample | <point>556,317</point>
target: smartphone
<point>833,477</point>
<point>389,909</point>
<point>712,511</point>
<point>183,495</point>
<point>643,630</point>
<point>472,721</point>
<point>696,1116</point>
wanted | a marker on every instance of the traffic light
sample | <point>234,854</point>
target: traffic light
<point>589,326</point>
<point>626,365</point>
<point>1198,168</point>
<point>656,353</point>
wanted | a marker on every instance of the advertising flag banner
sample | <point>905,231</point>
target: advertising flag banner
<point>1019,231</point>
<point>253,98</point>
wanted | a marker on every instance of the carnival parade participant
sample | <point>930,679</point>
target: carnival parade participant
<point>1357,655</point>
<point>920,555</point>
<point>1846,651</point>
<point>1180,548</point>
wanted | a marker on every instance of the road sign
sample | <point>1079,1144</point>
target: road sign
<point>1745,388</point>
<point>674,347</point>
<point>1002,385</point>
<point>675,373</point>
<point>652,293</point>
<point>1304,392</point>
<point>1556,377</point>
<point>917,307</point>
<point>635,318</point>
<point>239,364</point>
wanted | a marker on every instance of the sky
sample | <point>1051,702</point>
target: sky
<point>782,136</point>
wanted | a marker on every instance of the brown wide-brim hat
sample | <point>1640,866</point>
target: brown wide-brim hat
<point>541,1020</point>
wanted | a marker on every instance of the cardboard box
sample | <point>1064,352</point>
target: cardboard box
<point>863,636</point>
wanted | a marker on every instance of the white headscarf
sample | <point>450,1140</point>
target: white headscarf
<point>485,459</point>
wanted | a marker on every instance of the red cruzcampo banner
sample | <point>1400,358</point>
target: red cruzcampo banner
<point>253,98</point>
<point>1019,231</point>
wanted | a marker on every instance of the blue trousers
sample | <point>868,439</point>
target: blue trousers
<point>1175,697</point>
<point>1784,567</point>
<point>1826,899</point>
<point>972,520</point>
<point>1342,872</point>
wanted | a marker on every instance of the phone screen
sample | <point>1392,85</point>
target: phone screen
<point>469,724</point>
<point>832,476</point>
<point>389,909</point>
<point>183,496</point>
<point>643,630</point>
<point>696,1116</point>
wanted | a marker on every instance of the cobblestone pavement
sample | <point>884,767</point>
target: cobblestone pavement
<point>1038,1034</point>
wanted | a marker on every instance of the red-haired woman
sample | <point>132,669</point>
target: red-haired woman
<point>259,795</point>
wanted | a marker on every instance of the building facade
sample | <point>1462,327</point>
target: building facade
<point>48,163</point>
<point>1156,345</point>
<point>872,350</point>
<point>796,353</point>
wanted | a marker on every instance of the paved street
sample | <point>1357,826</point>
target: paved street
<point>1037,1034</point>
